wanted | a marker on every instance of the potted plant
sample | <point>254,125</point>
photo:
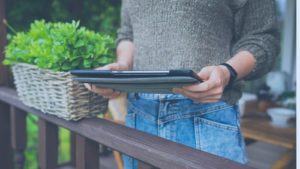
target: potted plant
<point>42,58</point>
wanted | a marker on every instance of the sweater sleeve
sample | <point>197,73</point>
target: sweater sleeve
<point>125,31</point>
<point>256,32</point>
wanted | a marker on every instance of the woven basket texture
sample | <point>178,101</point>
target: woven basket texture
<point>56,93</point>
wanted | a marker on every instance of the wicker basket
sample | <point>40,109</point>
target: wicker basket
<point>56,93</point>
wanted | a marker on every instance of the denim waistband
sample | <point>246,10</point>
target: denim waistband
<point>152,96</point>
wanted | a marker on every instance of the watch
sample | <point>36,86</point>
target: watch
<point>233,75</point>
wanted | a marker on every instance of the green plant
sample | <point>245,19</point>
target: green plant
<point>60,47</point>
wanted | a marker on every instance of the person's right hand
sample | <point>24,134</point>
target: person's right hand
<point>106,92</point>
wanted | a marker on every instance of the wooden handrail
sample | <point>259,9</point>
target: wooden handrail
<point>153,150</point>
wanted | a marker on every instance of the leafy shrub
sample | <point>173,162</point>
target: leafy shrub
<point>60,47</point>
<point>98,15</point>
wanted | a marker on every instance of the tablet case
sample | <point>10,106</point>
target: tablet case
<point>138,81</point>
<point>143,85</point>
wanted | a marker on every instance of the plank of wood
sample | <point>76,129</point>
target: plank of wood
<point>73,149</point>
<point>18,136</point>
<point>87,153</point>
<point>285,160</point>
<point>48,144</point>
<point>262,130</point>
<point>151,149</point>
<point>6,153</point>
<point>142,165</point>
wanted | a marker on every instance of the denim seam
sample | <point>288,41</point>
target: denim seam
<point>193,114</point>
<point>145,115</point>
<point>133,116</point>
<point>160,128</point>
<point>197,133</point>
<point>218,125</point>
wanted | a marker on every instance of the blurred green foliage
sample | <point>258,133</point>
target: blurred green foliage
<point>99,15</point>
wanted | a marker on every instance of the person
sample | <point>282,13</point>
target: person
<point>225,42</point>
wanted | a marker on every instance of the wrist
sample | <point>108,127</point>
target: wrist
<point>231,74</point>
<point>226,74</point>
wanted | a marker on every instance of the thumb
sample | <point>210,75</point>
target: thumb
<point>205,72</point>
<point>112,66</point>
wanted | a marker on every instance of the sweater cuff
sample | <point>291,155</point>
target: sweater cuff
<point>262,63</point>
<point>124,34</point>
<point>119,39</point>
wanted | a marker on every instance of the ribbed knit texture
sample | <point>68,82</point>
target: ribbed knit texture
<point>191,34</point>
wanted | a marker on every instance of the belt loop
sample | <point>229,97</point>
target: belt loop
<point>136,96</point>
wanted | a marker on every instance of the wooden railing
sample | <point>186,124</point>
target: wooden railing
<point>86,137</point>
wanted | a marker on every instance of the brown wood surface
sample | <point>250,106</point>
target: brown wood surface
<point>48,144</point>
<point>262,130</point>
<point>153,150</point>
<point>6,153</point>
<point>18,136</point>
<point>142,165</point>
<point>87,153</point>
<point>285,160</point>
<point>73,149</point>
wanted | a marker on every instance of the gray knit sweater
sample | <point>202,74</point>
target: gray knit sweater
<point>191,34</point>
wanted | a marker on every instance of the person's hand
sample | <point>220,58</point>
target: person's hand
<point>211,90</point>
<point>106,92</point>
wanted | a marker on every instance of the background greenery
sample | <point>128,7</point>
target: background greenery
<point>98,15</point>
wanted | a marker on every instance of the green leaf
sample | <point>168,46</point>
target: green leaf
<point>60,47</point>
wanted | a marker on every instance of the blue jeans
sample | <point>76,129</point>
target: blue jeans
<point>210,127</point>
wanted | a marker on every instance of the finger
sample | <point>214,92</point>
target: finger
<point>196,88</point>
<point>114,95</point>
<point>205,72</point>
<point>213,82</point>
<point>189,94</point>
<point>112,66</point>
<point>102,91</point>
<point>202,95</point>
<point>88,86</point>
<point>211,93</point>
<point>212,98</point>
<point>202,87</point>
<point>192,88</point>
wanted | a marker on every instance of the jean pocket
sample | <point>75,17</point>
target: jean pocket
<point>219,139</point>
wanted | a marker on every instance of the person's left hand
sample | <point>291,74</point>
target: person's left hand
<point>215,78</point>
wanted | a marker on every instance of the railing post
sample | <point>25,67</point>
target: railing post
<point>48,144</point>
<point>87,153</point>
<point>18,136</point>
<point>73,148</point>
<point>6,160</point>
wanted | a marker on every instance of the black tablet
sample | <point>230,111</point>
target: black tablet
<point>137,81</point>
<point>134,74</point>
